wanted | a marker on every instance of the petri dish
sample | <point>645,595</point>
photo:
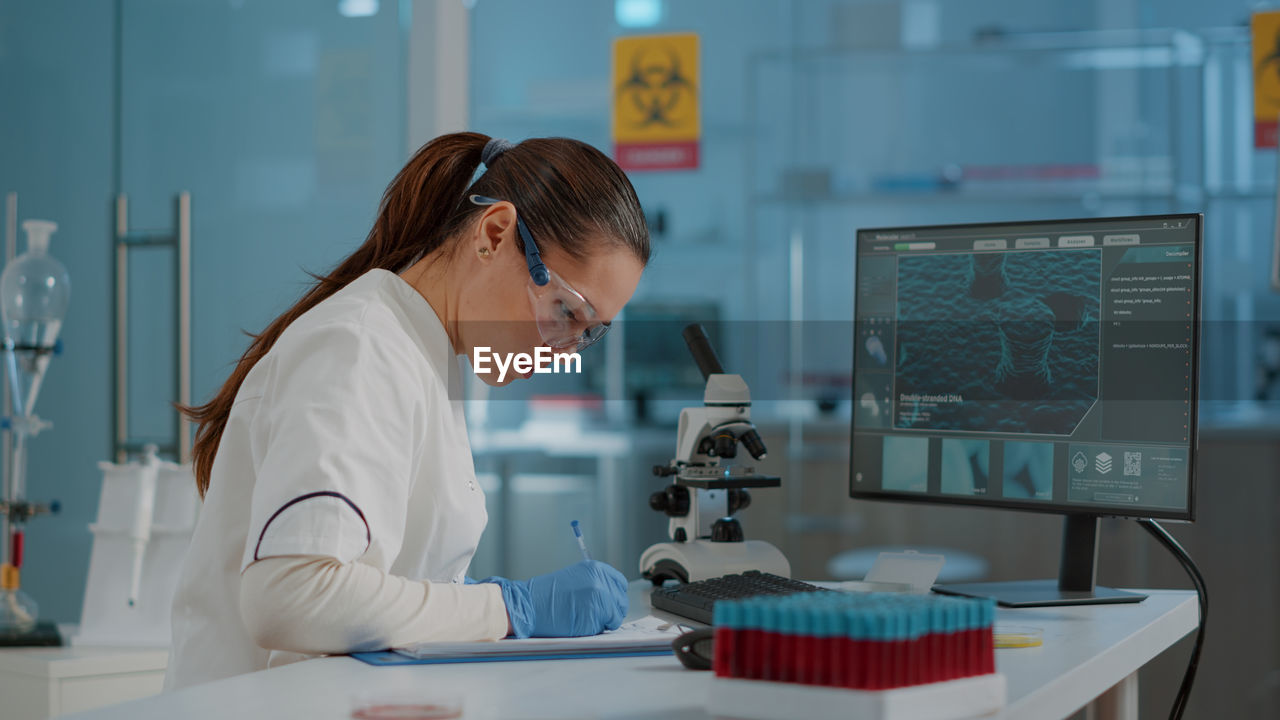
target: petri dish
<point>406,705</point>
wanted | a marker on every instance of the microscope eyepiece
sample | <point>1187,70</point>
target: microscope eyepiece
<point>700,347</point>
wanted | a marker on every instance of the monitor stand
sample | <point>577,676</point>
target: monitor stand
<point>1076,576</point>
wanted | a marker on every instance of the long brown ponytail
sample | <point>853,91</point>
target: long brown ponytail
<point>567,192</point>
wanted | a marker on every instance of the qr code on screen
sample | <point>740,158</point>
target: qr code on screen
<point>1133,463</point>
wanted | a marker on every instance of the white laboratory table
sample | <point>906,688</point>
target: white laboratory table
<point>1090,655</point>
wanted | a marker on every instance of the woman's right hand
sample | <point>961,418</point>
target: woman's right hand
<point>586,598</point>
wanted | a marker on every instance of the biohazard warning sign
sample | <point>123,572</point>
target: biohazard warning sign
<point>656,120</point>
<point>1266,78</point>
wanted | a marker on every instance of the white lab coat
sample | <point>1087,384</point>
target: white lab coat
<point>346,440</point>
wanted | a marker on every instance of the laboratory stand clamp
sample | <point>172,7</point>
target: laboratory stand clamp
<point>708,487</point>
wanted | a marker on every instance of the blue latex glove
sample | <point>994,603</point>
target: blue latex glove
<point>586,598</point>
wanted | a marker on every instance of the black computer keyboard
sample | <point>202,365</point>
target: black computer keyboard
<point>695,600</point>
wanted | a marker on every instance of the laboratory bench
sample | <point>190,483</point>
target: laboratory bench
<point>1090,657</point>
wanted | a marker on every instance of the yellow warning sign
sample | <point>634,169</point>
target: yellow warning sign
<point>1266,77</point>
<point>656,118</point>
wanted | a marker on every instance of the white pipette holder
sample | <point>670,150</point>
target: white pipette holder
<point>146,515</point>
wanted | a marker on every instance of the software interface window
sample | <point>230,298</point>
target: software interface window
<point>1027,365</point>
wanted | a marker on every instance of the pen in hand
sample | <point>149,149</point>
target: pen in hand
<point>577,533</point>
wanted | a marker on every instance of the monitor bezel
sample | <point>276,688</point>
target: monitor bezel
<point>1051,507</point>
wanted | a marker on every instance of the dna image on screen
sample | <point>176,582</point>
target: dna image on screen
<point>997,342</point>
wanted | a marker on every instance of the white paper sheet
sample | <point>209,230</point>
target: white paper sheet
<point>647,633</point>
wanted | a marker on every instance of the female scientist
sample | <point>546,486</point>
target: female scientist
<point>341,508</point>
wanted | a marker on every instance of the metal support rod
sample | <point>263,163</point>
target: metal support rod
<point>180,242</point>
<point>122,328</point>
<point>10,252</point>
<point>6,489</point>
<point>10,226</point>
<point>184,323</point>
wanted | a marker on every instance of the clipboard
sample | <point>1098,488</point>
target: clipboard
<point>391,657</point>
<point>648,636</point>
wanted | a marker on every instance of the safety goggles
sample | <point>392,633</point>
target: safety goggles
<point>566,321</point>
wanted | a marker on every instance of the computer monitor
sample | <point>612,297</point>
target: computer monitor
<point>1041,366</point>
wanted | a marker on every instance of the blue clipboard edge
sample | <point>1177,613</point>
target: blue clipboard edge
<point>388,658</point>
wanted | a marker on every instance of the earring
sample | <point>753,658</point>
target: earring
<point>484,252</point>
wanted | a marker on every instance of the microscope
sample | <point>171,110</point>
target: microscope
<point>707,489</point>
